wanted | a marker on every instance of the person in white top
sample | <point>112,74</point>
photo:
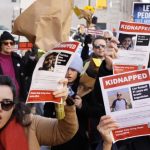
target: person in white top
<point>119,104</point>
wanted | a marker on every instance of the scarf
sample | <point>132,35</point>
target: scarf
<point>12,137</point>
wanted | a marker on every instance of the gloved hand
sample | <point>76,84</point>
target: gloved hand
<point>34,51</point>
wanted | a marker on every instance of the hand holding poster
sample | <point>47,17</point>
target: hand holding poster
<point>127,98</point>
<point>50,69</point>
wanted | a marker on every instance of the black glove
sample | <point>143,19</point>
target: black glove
<point>34,51</point>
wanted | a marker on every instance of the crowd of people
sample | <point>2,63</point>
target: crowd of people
<point>86,125</point>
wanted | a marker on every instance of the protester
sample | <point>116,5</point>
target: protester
<point>17,124</point>
<point>80,34</point>
<point>105,126</point>
<point>108,124</point>
<point>108,35</point>
<point>85,53</point>
<point>111,40</point>
<point>80,140</point>
<point>12,65</point>
<point>92,105</point>
<point>91,66</point>
<point>136,143</point>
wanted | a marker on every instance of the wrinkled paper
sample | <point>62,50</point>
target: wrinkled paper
<point>45,23</point>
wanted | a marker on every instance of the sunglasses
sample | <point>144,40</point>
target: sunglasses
<point>8,43</point>
<point>109,39</point>
<point>7,104</point>
<point>119,94</point>
<point>99,46</point>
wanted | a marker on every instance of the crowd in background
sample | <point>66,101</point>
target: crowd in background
<point>93,61</point>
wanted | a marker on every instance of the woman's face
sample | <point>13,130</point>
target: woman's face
<point>127,42</point>
<point>6,96</point>
<point>7,47</point>
<point>71,75</point>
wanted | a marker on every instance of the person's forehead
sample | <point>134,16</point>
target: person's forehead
<point>51,56</point>
<point>128,38</point>
<point>100,41</point>
<point>5,92</point>
<point>107,34</point>
<point>7,41</point>
<point>119,94</point>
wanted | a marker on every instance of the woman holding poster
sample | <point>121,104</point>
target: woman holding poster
<point>18,124</point>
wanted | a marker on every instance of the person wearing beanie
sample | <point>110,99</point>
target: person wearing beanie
<point>80,140</point>
<point>12,65</point>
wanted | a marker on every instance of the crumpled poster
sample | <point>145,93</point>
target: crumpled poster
<point>45,23</point>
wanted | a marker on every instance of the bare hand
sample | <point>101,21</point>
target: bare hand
<point>78,101</point>
<point>111,53</point>
<point>106,125</point>
<point>63,92</point>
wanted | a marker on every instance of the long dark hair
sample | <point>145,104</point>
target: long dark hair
<point>21,110</point>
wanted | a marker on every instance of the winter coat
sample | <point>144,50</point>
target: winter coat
<point>48,131</point>
<point>137,143</point>
<point>22,72</point>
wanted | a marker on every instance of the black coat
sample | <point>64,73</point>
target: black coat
<point>22,72</point>
<point>80,140</point>
<point>138,143</point>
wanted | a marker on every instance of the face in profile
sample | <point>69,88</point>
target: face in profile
<point>71,75</point>
<point>127,42</point>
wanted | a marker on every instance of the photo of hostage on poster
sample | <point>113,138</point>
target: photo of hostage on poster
<point>50,69</point>
<point>127,41</point>
<point>127,100</point>
<point>119,100</point>
<point>134,36</point>
<point>49,62</point>
<point>134,47</point>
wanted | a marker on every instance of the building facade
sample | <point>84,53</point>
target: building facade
<point>116,10</point>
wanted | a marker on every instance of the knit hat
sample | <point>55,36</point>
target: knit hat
<point>6,36</point>
<point>77,63</point>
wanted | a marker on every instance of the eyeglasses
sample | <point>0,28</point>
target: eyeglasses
<point>119,94</point>
<point>109,39</point>
<point>99,46</point>
<point>7,104</point>
<point>8,43</point>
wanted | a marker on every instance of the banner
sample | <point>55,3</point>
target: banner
<point>141,12</point>
<point>50,69</point>
<point>127,98</point>
<point>130,60</point>
<point>134,36</point>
